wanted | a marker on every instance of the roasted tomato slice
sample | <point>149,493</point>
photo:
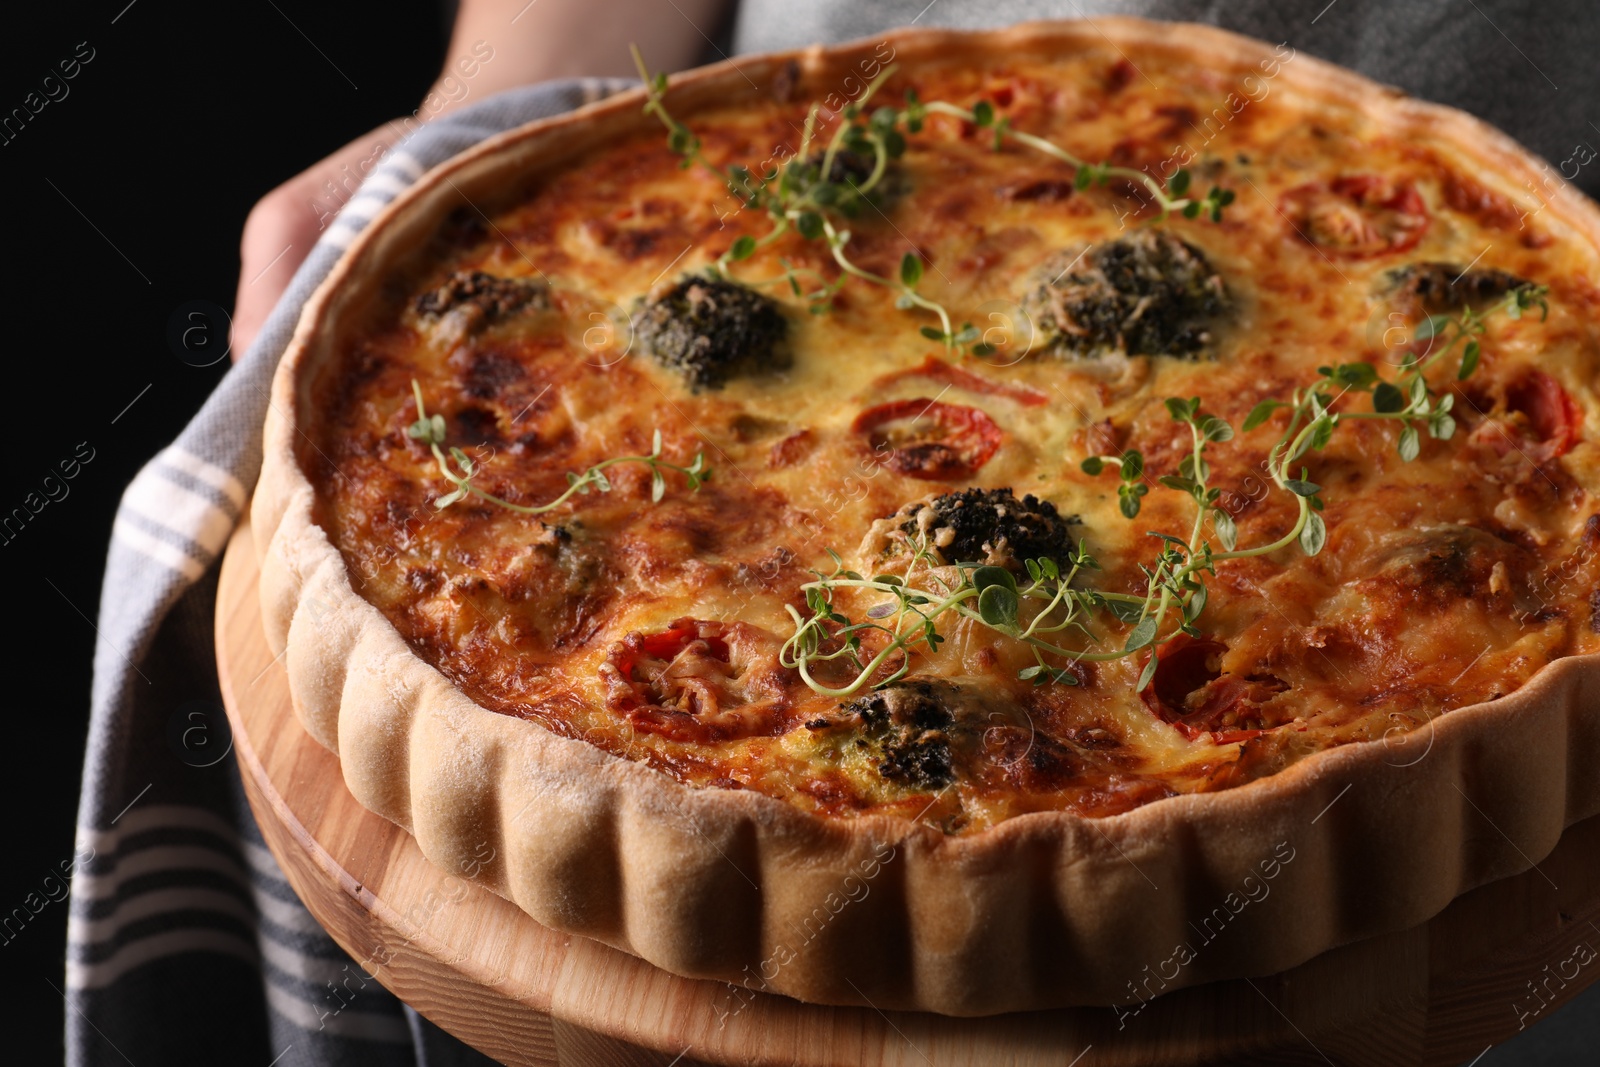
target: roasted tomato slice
<point>937,370</point>
<point>923,438</point>
<point>1190,691</point>
<point>1541,421</point>
<point>1553,416</point>
<point>698,681</point>
<point>1358,215</point>
<point>667,644</point>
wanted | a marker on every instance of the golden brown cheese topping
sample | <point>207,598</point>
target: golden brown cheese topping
<point>567,327</point>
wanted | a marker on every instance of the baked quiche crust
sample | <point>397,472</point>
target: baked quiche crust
<point>1025,909</point>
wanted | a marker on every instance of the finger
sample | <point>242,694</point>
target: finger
<point>287,222</point>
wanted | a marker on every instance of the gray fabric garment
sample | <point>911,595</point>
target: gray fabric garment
<point>1524,66</point>
<point>185,945</point>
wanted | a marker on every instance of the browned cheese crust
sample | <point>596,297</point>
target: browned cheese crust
<point>1445,582</point>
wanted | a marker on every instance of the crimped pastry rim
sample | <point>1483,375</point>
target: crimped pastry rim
<point>1042,910</point>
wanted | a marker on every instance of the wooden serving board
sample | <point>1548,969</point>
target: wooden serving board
<point>1498,958</point>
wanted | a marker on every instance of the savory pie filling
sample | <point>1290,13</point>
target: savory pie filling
<point>1440,539</point>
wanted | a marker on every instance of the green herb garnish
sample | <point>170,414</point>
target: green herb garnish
<point>815,195</point>
<point>430,429</point>
<point>910,613</point>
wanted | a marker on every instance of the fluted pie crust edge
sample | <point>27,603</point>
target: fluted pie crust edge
<point>1042,910</point>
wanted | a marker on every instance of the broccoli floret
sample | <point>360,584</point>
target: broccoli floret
<point>1434,288</point>
<point>709,329</point>
<point>908,727</point>
<point>926,733</point>
<point>989,526</point>
<point>1146,294</point>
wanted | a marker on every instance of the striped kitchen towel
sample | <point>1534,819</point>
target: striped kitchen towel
<point>185,943</point>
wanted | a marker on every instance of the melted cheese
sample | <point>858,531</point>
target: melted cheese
<point>1445,582</point>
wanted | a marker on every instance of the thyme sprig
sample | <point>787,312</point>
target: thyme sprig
<point>815,196</point>
<point>1169,197</point>
<point>909,610</point>
<point>459,469</point>
<point>1409,399</point>
<point>908,613</point>
<point>1178,578</point>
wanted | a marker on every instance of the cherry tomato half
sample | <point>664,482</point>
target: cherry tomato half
<point>639,650</point>
<point>1358,215</point>
<point>937,370</point>
<point>699,682</point>
<point>1551,412</point>
<point>1190,691</point>
<point>923,438</point>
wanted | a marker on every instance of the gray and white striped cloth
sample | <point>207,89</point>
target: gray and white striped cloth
<point>185,943</point>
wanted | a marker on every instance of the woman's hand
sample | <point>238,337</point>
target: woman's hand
<point>284,224</point>
<point>495,45</point>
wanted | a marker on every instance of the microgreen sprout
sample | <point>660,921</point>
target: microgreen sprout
<point>459,468</point>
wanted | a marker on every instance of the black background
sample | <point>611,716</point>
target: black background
<point>124,201</point>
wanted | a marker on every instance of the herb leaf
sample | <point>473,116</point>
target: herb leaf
<point>1261,413</point>
<point>998,606</point>
<point>1147,675</point>
<point>1410,444</point>
<point>1141,635</point>
<point>1314,535</point>
<point>910,270</point>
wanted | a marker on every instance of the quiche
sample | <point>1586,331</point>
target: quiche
<point>937,522</point>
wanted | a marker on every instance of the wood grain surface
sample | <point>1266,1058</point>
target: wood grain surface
<point>1500,957</point>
